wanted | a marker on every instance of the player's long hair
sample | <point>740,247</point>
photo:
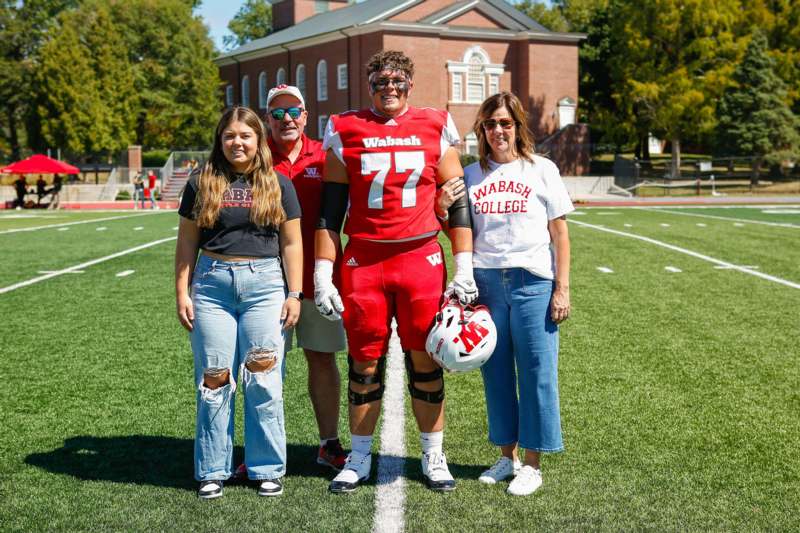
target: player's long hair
<point>523,146</point>
<point>217,174</point>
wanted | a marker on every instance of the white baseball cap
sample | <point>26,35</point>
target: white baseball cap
<point>285,89</point>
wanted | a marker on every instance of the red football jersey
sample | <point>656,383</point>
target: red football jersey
<point>391,164</point>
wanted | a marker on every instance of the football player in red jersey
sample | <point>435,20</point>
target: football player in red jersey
<point>386,163</point>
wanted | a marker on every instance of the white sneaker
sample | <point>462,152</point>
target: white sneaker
<point>355,470</point>
<point>502,468</point>
<point>527,480</point>
<point>435,472</point>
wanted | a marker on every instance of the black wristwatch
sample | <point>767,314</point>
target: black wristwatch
<point>295,294</point>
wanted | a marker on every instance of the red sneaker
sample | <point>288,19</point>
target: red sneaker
<point>332,455</point>
<point>240,473</point>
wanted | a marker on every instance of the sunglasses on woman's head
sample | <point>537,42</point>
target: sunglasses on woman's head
<point>279,112</point>
<point>505,123</point>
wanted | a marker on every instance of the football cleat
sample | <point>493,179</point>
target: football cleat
<point>355,470</point>
<point>462,338</point>
<point>435,472</point>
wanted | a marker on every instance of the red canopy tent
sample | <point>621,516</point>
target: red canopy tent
<point>40,164</point>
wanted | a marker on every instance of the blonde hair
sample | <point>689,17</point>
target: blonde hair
<point>217,174</point>
<point>523,145</point>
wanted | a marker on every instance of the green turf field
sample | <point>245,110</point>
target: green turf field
<point>679,390</point>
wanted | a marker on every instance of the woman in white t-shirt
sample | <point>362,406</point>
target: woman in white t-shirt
<point>521,255</point>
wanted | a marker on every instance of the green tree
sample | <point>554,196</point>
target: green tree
<point>252,21</point>
<point>551,17</point>
<point>23,26</point>
<point>673,60</point>
<point>174,74</point>
<point>754,117</point>
<point>86,101</point>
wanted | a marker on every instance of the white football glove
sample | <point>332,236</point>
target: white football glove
<point>326,296</point>
<point>463,284</point>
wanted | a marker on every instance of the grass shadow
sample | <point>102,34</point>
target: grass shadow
<point>150,460</point>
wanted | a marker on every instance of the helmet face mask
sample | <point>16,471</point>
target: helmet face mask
<point>462,338</point>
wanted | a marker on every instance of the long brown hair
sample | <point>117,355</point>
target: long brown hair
<point>524,139</point>
<point>217,174</point>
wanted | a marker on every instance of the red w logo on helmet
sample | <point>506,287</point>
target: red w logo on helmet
<point>472,334</point>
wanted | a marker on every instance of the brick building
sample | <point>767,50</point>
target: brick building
<point>463,52</point>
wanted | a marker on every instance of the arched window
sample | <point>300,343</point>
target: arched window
<point>300,79</point>
<point>476,79</point>
<point>262,90</point>
<point>229,96</point>
<point>246,91</point>
<point>280,77</point>
<point>322,80</point>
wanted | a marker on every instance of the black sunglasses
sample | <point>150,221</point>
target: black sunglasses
<point>279,112</point>
<point>381,84</point>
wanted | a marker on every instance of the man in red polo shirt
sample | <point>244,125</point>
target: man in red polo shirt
<point>301,160</point>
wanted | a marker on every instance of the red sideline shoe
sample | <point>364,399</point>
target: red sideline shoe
<point>240,473</point>
<point>332,455</point>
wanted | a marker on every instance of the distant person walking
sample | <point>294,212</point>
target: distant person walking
<point>244,219</point>
<point>55,192</point>
<point>138,191</point>
<point>150,191</point>
<point>21,188</point>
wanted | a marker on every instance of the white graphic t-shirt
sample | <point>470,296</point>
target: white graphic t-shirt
<point>511,205</point>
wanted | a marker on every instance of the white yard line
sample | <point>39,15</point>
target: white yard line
<point>717,217</point>
<point>81,266</point>
<point>605,270</point>
<point>697,255</point>
<point>390,495</point>
<point>673,269</point>
<point>125,273</point>
<point>17,230</point>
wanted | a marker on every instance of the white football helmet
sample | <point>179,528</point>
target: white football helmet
<point>463,337</point>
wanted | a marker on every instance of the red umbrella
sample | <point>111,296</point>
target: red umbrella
<point>40,164</point>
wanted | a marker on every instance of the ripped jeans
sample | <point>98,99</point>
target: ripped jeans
<point>237,307</point>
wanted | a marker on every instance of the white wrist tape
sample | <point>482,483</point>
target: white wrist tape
<point>463,261</point>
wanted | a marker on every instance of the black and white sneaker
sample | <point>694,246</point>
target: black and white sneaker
<point>355,470</point>
<point>435,472</point>
<point>270,487</point>
<point>210,489</point>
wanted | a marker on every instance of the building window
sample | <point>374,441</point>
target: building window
<point>280,77</point>
<point>246,91</point>
<point>458,87</point>
<point>341,76</point>
<point>229,96</point>
<point>494,84</point>
<point>476,80</point>
<point>300,79</point>
<point>322,121</point>
<point>471,144</point>
<point>322,80</point>
<point>320,7</point>
<point>262,90</point>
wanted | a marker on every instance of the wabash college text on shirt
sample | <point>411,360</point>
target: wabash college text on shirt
<point>511,205</point>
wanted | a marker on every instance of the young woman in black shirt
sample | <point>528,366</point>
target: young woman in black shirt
<point>244,220</point>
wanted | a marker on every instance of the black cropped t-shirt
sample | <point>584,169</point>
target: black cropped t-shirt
<point>234,233</point>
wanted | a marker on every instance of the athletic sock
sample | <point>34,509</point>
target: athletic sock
<point>323,442</point>
<point>431,442</point>
<point>361,443</point>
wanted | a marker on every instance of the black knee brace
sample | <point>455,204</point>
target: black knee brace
<point>436,396</point>
<point>358,398</point>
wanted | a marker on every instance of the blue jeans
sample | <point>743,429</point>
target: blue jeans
<point>526,358</point>
<point>237,307</point>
